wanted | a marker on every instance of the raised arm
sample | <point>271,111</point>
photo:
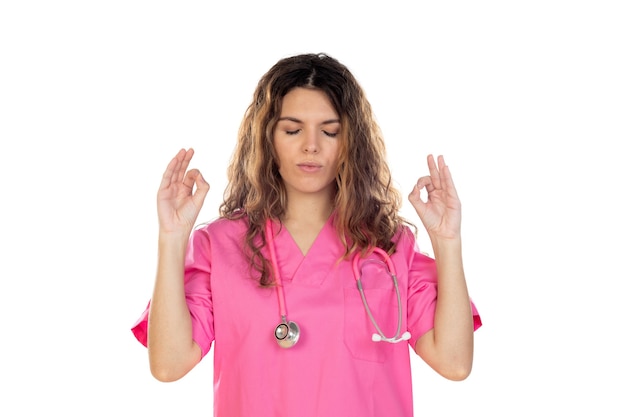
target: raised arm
<point>449,347</point>
<point>171,349</point>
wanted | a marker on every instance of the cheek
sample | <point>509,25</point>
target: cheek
<point>278,154</point>
<point>336,157</point>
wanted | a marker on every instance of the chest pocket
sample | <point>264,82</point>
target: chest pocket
<point>382,300</point>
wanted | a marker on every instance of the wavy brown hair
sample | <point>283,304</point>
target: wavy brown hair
<point>366,203</point>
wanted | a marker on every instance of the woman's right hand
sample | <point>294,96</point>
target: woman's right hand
<point>178,205</point>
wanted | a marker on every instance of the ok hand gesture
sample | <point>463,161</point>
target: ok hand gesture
<point>441,212</point>
<point>178,205</point>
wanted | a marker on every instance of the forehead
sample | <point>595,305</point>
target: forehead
<point>301,101</point>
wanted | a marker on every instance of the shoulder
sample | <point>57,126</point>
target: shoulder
<point>222,225</point>
<point>220,230</point>
<point>405,238</point>
<point>408,248</point>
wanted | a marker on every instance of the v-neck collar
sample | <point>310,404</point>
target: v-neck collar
<point>312,268</point>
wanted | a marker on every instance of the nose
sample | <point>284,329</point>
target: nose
<point>311,142</point>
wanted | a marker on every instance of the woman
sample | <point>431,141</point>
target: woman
<point>309,192</point>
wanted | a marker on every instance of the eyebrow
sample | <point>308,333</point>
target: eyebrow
<point>293,119</point>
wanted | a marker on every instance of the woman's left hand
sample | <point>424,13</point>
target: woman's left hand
<point>441,212</point>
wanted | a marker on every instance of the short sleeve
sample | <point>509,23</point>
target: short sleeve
<point>422,297</point>
<point>197,293</point>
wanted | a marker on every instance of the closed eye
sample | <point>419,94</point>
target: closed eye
<point>292,132</point>
<point>330,134</point>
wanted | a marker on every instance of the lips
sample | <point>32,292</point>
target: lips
<point>309,166</point>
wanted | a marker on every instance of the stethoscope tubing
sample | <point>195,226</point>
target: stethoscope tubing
<point>356,269</point>
<point>269,237</point>
<point>287,333</point>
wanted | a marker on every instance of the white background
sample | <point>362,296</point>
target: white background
<point>527,101</point>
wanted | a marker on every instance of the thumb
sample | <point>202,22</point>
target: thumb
<point>414,196</point>
<point>202,189</point>
<point>416,200</point>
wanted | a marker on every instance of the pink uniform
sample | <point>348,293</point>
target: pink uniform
<point>335,369</point>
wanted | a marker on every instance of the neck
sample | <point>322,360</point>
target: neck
<point>305,217</point>
<point>308,209</point>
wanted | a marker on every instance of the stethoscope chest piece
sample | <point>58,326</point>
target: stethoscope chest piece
<point>287,334</point>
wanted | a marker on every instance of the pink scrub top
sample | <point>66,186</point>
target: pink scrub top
<point>335,369</point>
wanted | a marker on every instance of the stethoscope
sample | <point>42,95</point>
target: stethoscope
<point>287,333</point>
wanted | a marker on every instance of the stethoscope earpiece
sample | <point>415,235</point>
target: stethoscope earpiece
<point>377,338</point>
<point>287,334</point>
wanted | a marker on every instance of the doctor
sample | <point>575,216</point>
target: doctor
<point>271,285</point>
